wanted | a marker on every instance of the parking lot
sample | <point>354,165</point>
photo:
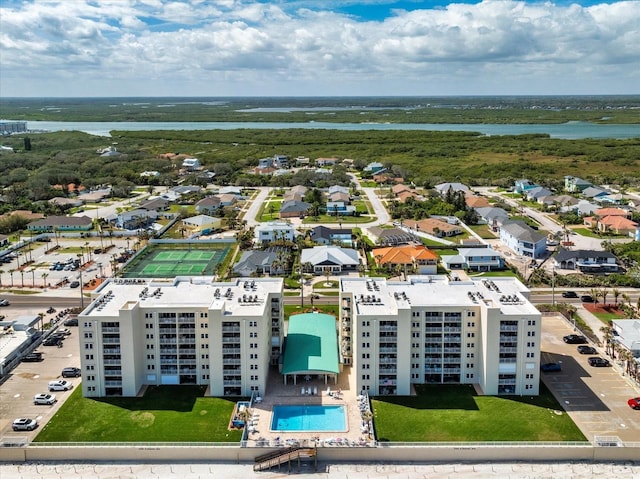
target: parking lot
<point>29,379</point>
<point>595,397</point>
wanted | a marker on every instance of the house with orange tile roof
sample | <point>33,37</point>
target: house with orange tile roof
<point>617,224</point>
<point>474,201</point>
<point>417,257</point>
<point>602,212</point>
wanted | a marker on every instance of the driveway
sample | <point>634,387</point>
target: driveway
<point>595,398</point>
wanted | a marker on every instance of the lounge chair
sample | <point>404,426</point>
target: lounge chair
<point>308,391</point>
<point>315,390</point>
<point>302,392</point>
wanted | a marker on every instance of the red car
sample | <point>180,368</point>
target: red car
<point>634,403</point>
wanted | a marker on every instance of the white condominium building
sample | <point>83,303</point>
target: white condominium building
<point>432,330</point>
<point>188,330</point>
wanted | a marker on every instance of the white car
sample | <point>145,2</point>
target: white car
<point>60,385</point>
<point>44,398</point>
<point>24,424</point>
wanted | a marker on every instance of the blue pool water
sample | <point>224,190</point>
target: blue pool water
<point>309,418</point>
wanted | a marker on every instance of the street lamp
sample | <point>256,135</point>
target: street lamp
<point>81,294</point>
<point>553,286</point>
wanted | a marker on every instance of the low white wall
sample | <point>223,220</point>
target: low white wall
<point>424,454</point>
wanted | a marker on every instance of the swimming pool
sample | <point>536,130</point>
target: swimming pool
<point>309,418</point>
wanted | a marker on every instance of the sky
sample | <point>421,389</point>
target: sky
<point>132,48</point>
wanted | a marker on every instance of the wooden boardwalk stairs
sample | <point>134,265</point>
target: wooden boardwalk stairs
<point>286,456</point>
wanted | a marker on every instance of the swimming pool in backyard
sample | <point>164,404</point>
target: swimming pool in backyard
<point>309,418</point>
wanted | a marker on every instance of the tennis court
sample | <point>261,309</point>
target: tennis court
<point>161,262</point>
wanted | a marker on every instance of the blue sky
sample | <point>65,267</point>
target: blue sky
<point>312,47</point>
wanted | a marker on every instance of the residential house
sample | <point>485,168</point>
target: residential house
<point>492,216</point>
<point>582,208</point>
<point>521,186</point>
<point>474,201</point>
<point>280,161</point>
<point>559,201</point>
<point>257,262</point>
<point>522,239</point>
<point>434,227</point>
<point>184,190</point>
<point>25,214</point>
<point>413,258</point>
<point>387,177</point>
<point>537,194</point>
<point>443,188</point>
<point>150,174</point>
<point>296,193</point>
<point>586,261</point>
<point>573,184</point>
<point>614,224</point>
<point>274,230</point>
<point>227,199</point>
<point>191,164</point>
<point>340,197</point>
<point>400,188</point>
<point>208,205</point>
<point>374,167</point>
<point>134,219</point>
<point>339,208</point>
<point>302,161</point>
<point>627,334</point>
<point>325,236</point>
<point>322,162</point>
<point>338,189</point>
<point>334,258</point>
<point>65,202</point>
<point>157,204</point>
<point>294,209</point>
<point>61,223</point>
<point>474,259</point>
<point>595,194</point>
<point>231,190</point>
<point>403,196</point>
<point>390,236</point>
<point>202,224</point>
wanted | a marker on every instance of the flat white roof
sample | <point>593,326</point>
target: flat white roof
<point>377,296</point>
<point>238,297</point>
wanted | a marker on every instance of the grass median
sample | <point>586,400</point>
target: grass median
<point>456,413</point>
<point>163,414</point>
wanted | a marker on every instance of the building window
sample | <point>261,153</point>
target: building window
<point>531,345</point>
<point>531,334</point>
<point>150,356</point>
<point>149,336</point>
<point>365,356</point>
<point>204,335</point>
<point>469,375</point>
<point>365,345</point>
<point>204,346</point>
<point>89,367</point>
<point>471,324</point>
<point>471,314</point>
<point>365,377</point>
<point>149,346</point>
<point>415,334</point>
<point>88,335</point>
<point>88,357</point>
<point>204,356</point>
<point>205,376</point>
<point>471,345</point>
<point>365,323</point>
<point>531,355</point>
<point>531,322</point>
<point>470,355</point>
<point>151,367</point>
<point>365,366</point>
<point>365,334</point>
<point>88,346</point>
<point>471,335</point>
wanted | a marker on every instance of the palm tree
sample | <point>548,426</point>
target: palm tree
<point>616,295</point>
<point>33,277</point>
<point>44,279</point>
<point>596,294</point>
<point>607,332</point>
<point>22,276</point>
<point>1,272</point>
<point>11,271</point>
<point>604,292</point>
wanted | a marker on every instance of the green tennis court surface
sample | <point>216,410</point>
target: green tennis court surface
<point>159,262</point>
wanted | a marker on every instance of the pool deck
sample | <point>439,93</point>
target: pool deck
<point>289,394</point>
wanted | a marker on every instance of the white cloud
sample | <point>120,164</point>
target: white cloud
<point>293,48</point>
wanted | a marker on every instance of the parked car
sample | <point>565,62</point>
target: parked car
<point>4,302</point>
<point>569,294</point>
<point>74,284</point>
<point>32,358</point>
<point>71,372</point>
<point>587,350</point>
<point>44,398</point>
<point>24,424</point>
<point>51,310</point>
<point>634,403</point>
<point>574,339</point>
<point>585,298</point>
<point>52,341</point>
<point>60,385</point>
<point>551,367</point>
<point>71,322</point>
<point>58,335</point>
<point>64,331</point>
<point>598,362</point>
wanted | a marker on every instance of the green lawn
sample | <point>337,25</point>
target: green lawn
<point>506,272</point>
<point>455,413</point>
<point>593,234</point>
<point>164,414</point>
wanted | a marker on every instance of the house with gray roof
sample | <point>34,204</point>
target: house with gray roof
<point>325,235</point>
<point>537,193</point>
<point>586,261</point>
<point>256,262</point>
<point>443,188</point>
<point>573,184</point>
<point>208,205</point>
<point>157,204</point>
<point>474,259</point>
<point>334,258</point>
<point>522,239</point>
<point>62,223</point>
<point>134,219</point>
<point>294,209</point>
<point>492,216</point>
<point>593,192</point>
